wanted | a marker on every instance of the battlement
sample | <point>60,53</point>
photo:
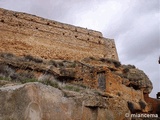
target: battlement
<point>24,34</point>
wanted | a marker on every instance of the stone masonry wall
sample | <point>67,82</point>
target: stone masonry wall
<point>22,34</point>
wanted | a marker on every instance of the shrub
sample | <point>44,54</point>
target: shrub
<point>73,65</point>
<point>69,64</point>
<point>2,68</point>
<point>81,85</point>
<point>67,74</point>
<point>51,83</point>
<point>31,58</point>
<point>29,80</point>
<point>111,61</point>
<point>60,63</point>
<point>23,77</point>
<point>7,55</point>
<point>125,70</point>
<point>131,66</point>
<point>5,70</point>
<point>1,78</point>
<point>52,62</point>
<point>116,63</point>
<point>4,78</point>
<point>56,63</point>
<point>72,88</point>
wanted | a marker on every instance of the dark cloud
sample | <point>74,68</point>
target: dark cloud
<point>51,9</point>
<point>135,25</point>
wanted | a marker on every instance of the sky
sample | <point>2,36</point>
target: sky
<point>133,24</point>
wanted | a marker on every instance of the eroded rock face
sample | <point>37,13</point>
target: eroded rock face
<point>137,79</point>
<point>35,101</point>
<point>130,75</point>
<point>91,72</point>
<point>115,86</point>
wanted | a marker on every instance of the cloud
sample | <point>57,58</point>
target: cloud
<point>142,39</point>
<point>135,25</point>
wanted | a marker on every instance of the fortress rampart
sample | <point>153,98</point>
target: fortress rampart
<point>22,34</point>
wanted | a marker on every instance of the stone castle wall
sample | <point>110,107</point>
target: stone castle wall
<point>23,34</point>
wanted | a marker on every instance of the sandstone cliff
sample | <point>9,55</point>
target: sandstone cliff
<point>55,71</point>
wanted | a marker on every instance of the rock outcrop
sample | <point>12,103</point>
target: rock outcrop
<point>90,72</point>
<point>92,88</point>
<point>35,101</point>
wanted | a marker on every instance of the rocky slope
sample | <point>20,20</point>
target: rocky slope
<point>66,90</point>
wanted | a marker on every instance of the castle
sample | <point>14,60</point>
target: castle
<point>51,39</point>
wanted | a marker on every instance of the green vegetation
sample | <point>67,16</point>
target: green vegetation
<point>22,81</point>
<point>4,78</point>
<point>72,88</point>
<point>29,80</point>
<point>23,77</point>
<point>81,85</point>
<point>51,83</point>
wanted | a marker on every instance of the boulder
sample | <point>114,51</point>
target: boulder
<point>133,77</point>
<point>35,101</point>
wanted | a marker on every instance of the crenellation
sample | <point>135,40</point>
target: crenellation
<point>78,42</point>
